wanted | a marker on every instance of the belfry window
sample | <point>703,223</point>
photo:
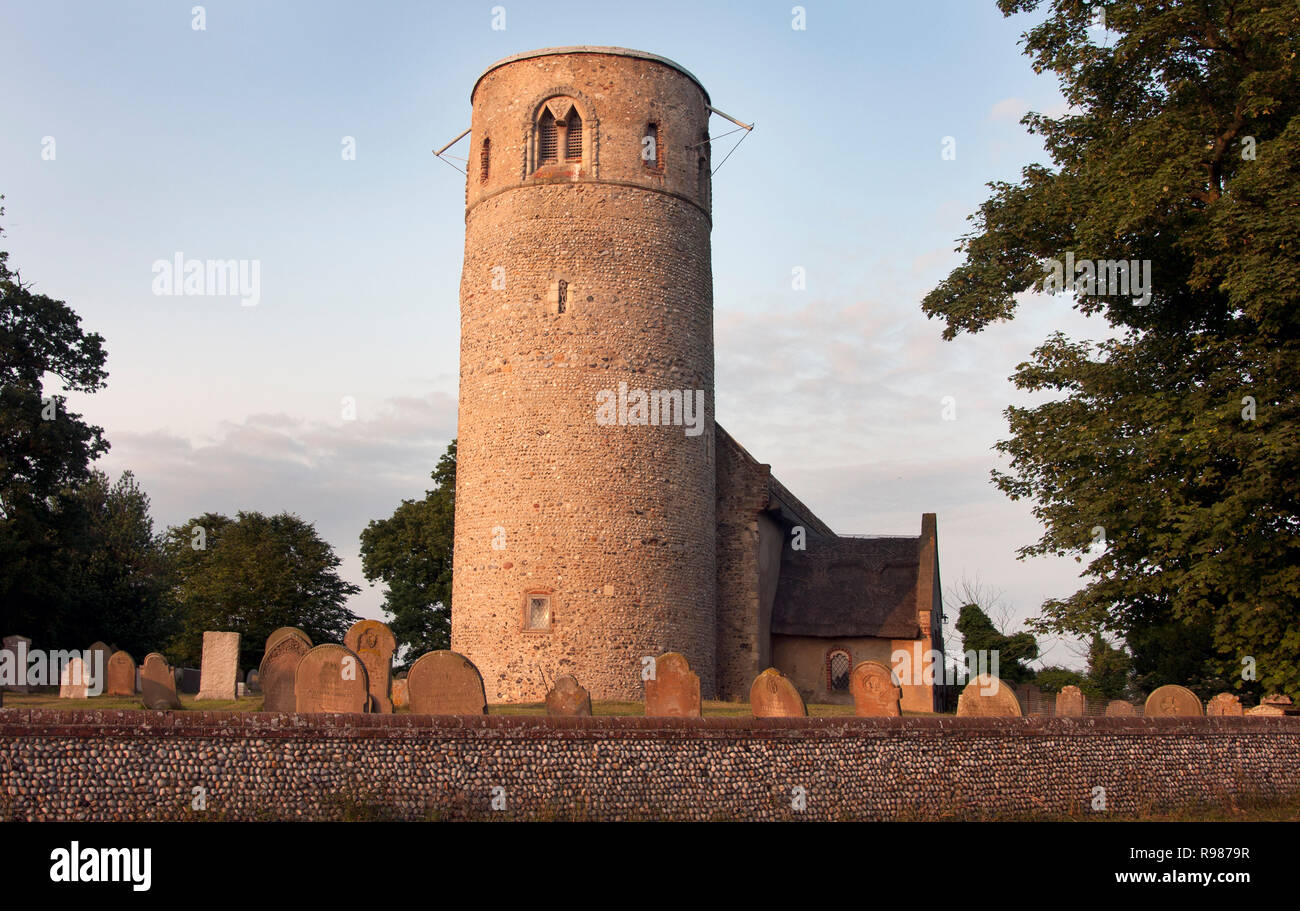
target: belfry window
<point>546,138</point>
<point>838,666</point>
<point>573,136</point>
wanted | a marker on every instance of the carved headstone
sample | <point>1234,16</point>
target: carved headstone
<point>401,694</point>
<point>1070,702</point>
<point>375,643</point>
<point>158,683</point>
<point>331,678</point>
<point>875,695</point>
<point>73,679</point>
<point>568,698</point>
<point>445,683</point>
<point>1224,704</point>
<point>220,668</point>
<point>772,695</point>
<point>1171,701</point>
<point>286,631</point>
<point>121,675</point>
<point>1118,708</point>
<point>18,647</point>
<point>987,697</point>
<point>278,669</point>
<point>674,691</point>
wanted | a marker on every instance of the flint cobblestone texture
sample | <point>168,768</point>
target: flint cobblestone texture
<point>615,523</point>
<point>109,765</point>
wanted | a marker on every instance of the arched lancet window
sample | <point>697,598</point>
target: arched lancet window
<point>484,157</point>
<point>546,138</point>
<point>573,138</point>
<point>838,666</point>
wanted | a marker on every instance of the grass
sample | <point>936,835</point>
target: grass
<point>711,709</point>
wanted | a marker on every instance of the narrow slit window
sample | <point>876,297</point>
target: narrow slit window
<point>652,147</point>
<point>485,156</point>
<point>839,664</point>
<point>562,297</point>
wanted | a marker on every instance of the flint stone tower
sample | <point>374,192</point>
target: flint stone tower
<point>583,544</point>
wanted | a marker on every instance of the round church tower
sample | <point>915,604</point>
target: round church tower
<point>585,529</point>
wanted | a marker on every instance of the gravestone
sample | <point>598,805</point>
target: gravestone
<point>875,695</point>
<point>121,675</point>
<point>772,695</point>
<point>331,678</point>
<point>98,654</point>
<point>1224,704</point>
<point>445,683</point>
<point>187,679</point>
<point>285,631</point>
<point>73,679</point>
<point>1070,703</point>
<point>674,691</point>
<point>401,694</point>
<point>1118,708</point>
<point>375,643</point>
<point>253,681</point>
<point>278,670</point>
<point>1275,704</point>
<point>987,697</point>
<point>220,667</point>
<point>158,683</point>
<point>18,647</point>
<point>1172,701</point>
<point>568,698</point>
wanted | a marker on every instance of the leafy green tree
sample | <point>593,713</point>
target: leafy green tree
<point>979,634</point>
<point>411,553</point>
<point>250,575</point>
<point>1109,670</point>
<point>45,452</point>
<point>1054,679</point>
<point>120,588</point>
<point>1166,454</point>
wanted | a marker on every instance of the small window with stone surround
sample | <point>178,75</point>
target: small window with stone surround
<point>560,296</point>
<point>838,666</point>
<point>537,612</point>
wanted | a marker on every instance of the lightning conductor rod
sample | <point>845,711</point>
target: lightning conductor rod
<point>747,126</point>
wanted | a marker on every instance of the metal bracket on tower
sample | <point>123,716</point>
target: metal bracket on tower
<point>740,125</point>
<point>438,153</point>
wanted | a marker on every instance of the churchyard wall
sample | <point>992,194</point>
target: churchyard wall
<point>107,765</point>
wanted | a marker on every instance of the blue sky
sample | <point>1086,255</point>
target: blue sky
<point>225,144</point>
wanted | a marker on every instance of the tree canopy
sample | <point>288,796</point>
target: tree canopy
<point>1166,454</point>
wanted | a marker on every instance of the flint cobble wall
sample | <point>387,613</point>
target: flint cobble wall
<point>112,765</point>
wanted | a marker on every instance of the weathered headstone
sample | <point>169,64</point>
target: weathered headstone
<point>445,683</point>
<point>875,695</point>
<point>568,698</point>
<point>278,670</point>
<point>158,683</point>
<point>987,697</point>
<point>401,694</point>
<point>220,668</point>
<point>1275,704</point>
<point>73,679</point>
<point>1118,708</point>
<point>772,695</point>
<point>98,655</point>
<point>283,631</point>
<point>121,675</point>
<point>1172,701</point>
<point>1070,702</point>
<point>331,678</point>
<point>375,643</point>
<point>674,690</point>
<point>253,681</point>
<point>1224,704</point>
<point>187,679</point>
<point>18,647</point>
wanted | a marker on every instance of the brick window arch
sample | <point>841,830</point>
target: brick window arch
<point>839,664</point>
